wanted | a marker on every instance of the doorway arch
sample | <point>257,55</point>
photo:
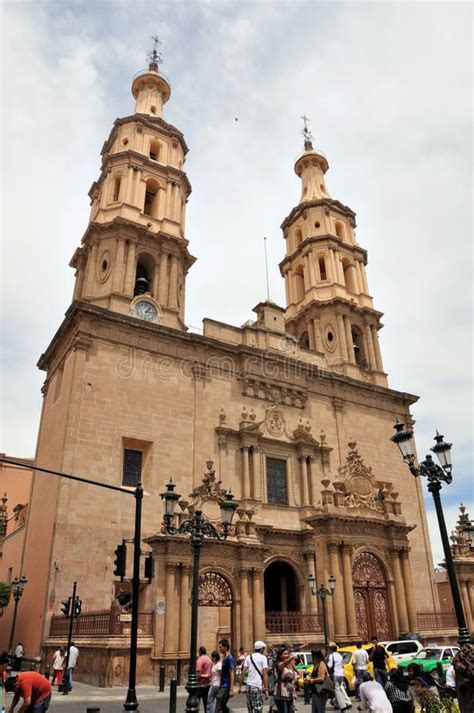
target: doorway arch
<point>371,597</point>
<point>216,610</point>
<point>281,587</point>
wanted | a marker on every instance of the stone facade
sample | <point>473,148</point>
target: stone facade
<point>292,411</point>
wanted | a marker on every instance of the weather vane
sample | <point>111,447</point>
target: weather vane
<point>308,137</point>
<point>153,55</point>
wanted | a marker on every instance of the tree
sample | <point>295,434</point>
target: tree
<point>5,594</point>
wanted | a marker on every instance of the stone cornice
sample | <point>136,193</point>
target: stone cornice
<point>101,324</point>
<point>144,120</point>
<point>347,307</point>
<point>331,240</point>
<point>332,204</point>
<point>143,161</point>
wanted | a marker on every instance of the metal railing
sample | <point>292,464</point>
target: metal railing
<point>436,620</point>
<point>292,622</point>
<point>101,623</point>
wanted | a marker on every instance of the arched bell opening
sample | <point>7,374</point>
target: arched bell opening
<point>144,275</point>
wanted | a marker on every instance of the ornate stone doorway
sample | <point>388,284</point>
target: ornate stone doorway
<point>281,588</point>
<point>215,610</point>
<point>371,597</point>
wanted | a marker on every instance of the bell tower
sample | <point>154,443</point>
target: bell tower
<point>134,257</point>
<point>329,308</point>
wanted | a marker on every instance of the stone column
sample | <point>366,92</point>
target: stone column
<point>311,570</point>
<point>128,193</point>
<point>332,266</point>
<point>169,199</point>
<point>173,286</point>
<point>342,337</point>
<point>163,280</point>
<point>393,605</point>
<point>360,277</point>
<point>350,343</point>
<point>340,625</point>
<point>318,340</point>
<point>399,592</point>
<point>346,552</point>
<point>244,610</point>
<point>312,480</point>
<point>339,267</point>
<point>117,284</point>
<point>130,269</point>
<point>304,479</point>
<point>375,341</point>
<point>466,603</point>
<point>371,354</point>
<point>409,593</point>
<point>287,288</point>
<point>91,266</point>
<point>170,610</point>
<point>258,609</point>
<point>184,610</point>
<point>245,473</point>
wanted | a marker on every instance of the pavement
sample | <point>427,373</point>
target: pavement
<point>150,700</point>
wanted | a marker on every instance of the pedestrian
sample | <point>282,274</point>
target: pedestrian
<point>58,665</point>
<point>34,688</point>
<point>373,696</point>
<point>450,677</point>
<point>19,653</point>
<point>360,662</point>
<point>226,687</point>
<point>256,687</point>
<point>285,673</point>
<point>336,669</point>
<point>378,656</point>
<point>203,670</point>
<point>215,681</point>
<point>320,682</point>
<point>71,664</point>
<point>399,692</point>
<point>239,665</point>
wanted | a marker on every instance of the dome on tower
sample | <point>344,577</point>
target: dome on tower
<point>310,155</point>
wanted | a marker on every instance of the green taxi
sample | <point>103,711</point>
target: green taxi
<point>429,658</point>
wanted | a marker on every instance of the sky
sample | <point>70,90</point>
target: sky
<point>388,89</point>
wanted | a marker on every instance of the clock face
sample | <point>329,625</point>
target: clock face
<point>146,310</point>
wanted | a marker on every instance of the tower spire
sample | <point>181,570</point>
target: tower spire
<point>308,137</point>
<point>154,56</point>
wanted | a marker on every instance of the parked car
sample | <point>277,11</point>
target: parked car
<point>430,657</point>
<point>402,650</point>
<point>349,673</point>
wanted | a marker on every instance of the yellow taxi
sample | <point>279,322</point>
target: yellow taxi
<point>349,673</point>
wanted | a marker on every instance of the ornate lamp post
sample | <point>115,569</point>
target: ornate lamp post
<point>323,592</point>
<point>436,475</point>
<point>198,529</point>
<point>18,586</point>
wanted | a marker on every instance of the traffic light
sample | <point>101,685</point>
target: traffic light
<point>120,560</point>
<point>66,606</point>
<point>149,567</point>
<point>77,606</point>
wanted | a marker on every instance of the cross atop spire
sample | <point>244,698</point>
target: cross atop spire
<point>308,137</point>
<point>153,55</point>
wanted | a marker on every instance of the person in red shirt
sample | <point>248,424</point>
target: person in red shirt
<point>203,670</point>
<point>35,690</point>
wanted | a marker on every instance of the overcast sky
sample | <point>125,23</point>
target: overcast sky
<point>388,89</point>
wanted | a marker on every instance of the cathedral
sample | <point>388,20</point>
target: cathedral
<point>292,412</point>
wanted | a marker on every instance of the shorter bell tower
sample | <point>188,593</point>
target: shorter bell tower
<point>134,249</point>
<point>329,308</point>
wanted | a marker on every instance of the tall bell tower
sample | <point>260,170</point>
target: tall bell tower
<point>328,305</point>
<point>134,257</point>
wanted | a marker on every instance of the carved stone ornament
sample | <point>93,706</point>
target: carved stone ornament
<point>275,421</point>
<point>461,546</point>
<point>279,394</point>
<point>357,485</point>
<point>206,497</point>
<point>214,591</point>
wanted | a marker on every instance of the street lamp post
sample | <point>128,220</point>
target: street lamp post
<point>18,586</point>
<point>323,592</point>
<point>436,475</point>
<point>198,529</point>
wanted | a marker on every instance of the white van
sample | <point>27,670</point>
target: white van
<point>402,650</point>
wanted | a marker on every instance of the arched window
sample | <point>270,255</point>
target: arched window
<point>322,267</point>
<point>349,275</point>
<point>143,275</point>
<point>299,284</point>
<point>304,341</point>
<point>151,198</point>
<point>339,226</point>
<point>298,237</point>
<point>359,351</point>
<point>116,190</point>
<point>155,150</point>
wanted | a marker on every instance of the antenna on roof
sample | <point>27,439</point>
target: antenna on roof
<point>266,267</point>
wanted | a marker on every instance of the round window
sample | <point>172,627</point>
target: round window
<point>317,224</point>
<point>330,338</point>
<point>104,266</point>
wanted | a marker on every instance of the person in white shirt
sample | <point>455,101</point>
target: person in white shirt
<point>450,677</point>
<point>257,680</point>
<point>360,662</point>
<point>215,681</point>
<point>58,663</point>
<point>19,653</point>
<point>71,663</point>
<point>336,668</point>
<point>373,696</point>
